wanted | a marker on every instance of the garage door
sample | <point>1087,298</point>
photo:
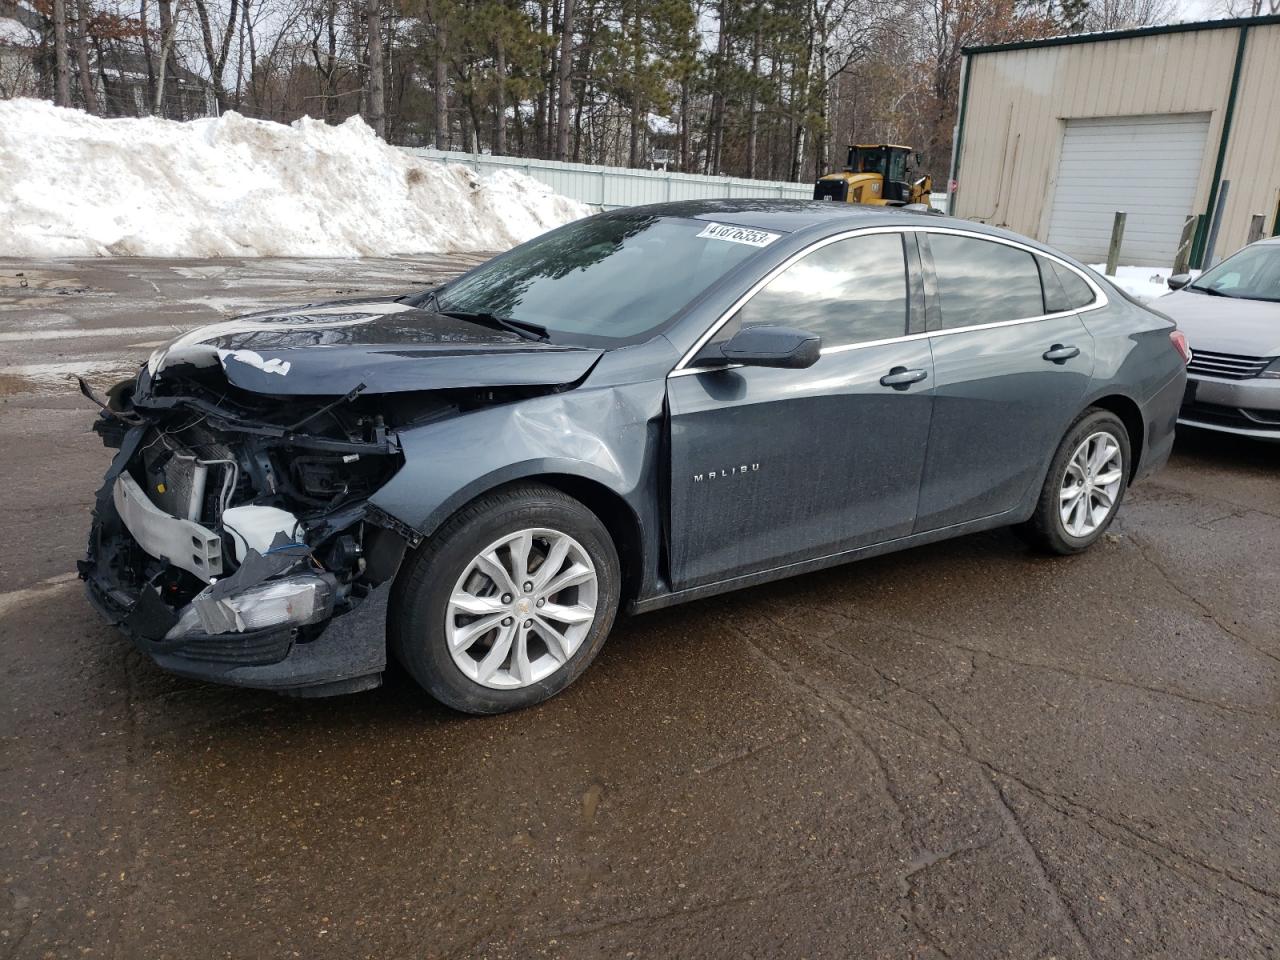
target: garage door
<point>1147,166</point>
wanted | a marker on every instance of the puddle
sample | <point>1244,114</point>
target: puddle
<point>47,378</point>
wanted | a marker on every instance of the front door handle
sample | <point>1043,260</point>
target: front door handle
<point>1061,353</point>
<point>900,377</point>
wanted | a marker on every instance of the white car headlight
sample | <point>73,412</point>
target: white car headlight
<point>293,602</point>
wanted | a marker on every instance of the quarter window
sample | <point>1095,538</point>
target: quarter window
<point>1055,298</point>
<point>850,291</point>
<point>1078,293</point>
<point>980,281</point>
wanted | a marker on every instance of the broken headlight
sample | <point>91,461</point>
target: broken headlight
<point>290,602</point>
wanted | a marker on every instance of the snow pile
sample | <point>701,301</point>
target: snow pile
<point>1145,283</point>
<point>16,33</point>
<point>76,185</point>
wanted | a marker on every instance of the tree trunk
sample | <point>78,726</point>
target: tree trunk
<point>330,72</point>
<point>684,123</point>
<point>216,55</point>
<point>541,118</point>
<point>143,18</point>
<point>377,84</point>
<point>473,128</point>
<point>253,63</point>
<point>584,71</point>
<point>166,82</point>
<point>753,121</point>
<point>60,50</point>
<point>565,71</point>
<point>799,111</point>
<point>715,121</point>
<point>637,53</point>
<point>442,84</point>
<point>500,98</point>
<point>101,60</point>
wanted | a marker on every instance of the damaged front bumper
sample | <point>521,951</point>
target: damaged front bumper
<point>348,656</point>
<point>304,614</point>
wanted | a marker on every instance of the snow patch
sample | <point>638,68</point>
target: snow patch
<point>16,33</point>
<point>1145,283</point>
<point>78,185</point>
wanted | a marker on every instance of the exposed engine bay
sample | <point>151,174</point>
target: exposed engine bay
<point>235,515</point>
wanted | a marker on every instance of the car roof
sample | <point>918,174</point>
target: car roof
<point>793,216</point>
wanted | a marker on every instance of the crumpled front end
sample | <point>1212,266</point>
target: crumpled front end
<point>233,539</point>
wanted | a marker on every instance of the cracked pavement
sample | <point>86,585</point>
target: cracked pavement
<point>965,750</point>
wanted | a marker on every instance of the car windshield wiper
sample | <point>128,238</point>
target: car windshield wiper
<point>530,331</point>
<point>1212,292</point>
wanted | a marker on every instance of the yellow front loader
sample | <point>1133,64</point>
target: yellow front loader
<point>876,174</point>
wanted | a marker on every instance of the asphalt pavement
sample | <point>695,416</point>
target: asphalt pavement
<point>965,750</point>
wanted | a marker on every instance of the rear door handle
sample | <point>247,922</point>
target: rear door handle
<point>1061,353</point>
<point>900,378</point>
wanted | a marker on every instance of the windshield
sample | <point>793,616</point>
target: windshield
<point>1251,274</point>
<point>868,161</point>
<point>606,279</point>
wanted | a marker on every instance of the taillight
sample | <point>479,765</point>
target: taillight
<point>1179,341</point>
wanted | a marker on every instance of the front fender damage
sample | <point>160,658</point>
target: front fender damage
<point>299,509</point>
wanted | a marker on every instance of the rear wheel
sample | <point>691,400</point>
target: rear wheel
<point>508,603</point>
<point>1084,487</point>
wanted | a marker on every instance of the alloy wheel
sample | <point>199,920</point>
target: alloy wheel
<point>521,608</point>
<point>1091,484</point>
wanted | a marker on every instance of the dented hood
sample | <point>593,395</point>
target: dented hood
<point>389,346</point>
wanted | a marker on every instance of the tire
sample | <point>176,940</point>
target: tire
<point>456,654</point>
<point>1047,529</point>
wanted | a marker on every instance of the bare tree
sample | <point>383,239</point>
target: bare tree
<point>326,62</point>
<point>442,83</point>
<point>217,49</point>
<point>1249,8</point>
<point>1118,14</point>
<point>166,79</point>
<point>377,90</point>
<point>81,33</point>
<point>60,52</point>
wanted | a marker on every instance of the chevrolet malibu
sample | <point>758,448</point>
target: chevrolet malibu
<point>637,409</point>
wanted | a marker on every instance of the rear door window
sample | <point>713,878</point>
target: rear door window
<point>981,281</point>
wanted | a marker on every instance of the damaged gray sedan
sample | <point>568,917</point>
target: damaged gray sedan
<point>641,408</point>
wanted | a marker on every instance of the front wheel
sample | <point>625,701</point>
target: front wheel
<point>1085,485</point>
<point>508,602</point>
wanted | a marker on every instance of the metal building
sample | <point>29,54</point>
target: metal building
<point>1054,136</point>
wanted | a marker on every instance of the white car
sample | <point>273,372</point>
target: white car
<point>1231,318</point>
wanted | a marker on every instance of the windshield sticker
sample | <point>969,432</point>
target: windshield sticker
<point>752,238</point>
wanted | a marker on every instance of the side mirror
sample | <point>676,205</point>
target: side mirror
<point>1178,281</point>
<point>767,345</point>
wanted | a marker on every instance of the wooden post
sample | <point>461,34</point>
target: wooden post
<point>1182,258</point>
<point>1255,227</point>
<point>1117,236</point>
